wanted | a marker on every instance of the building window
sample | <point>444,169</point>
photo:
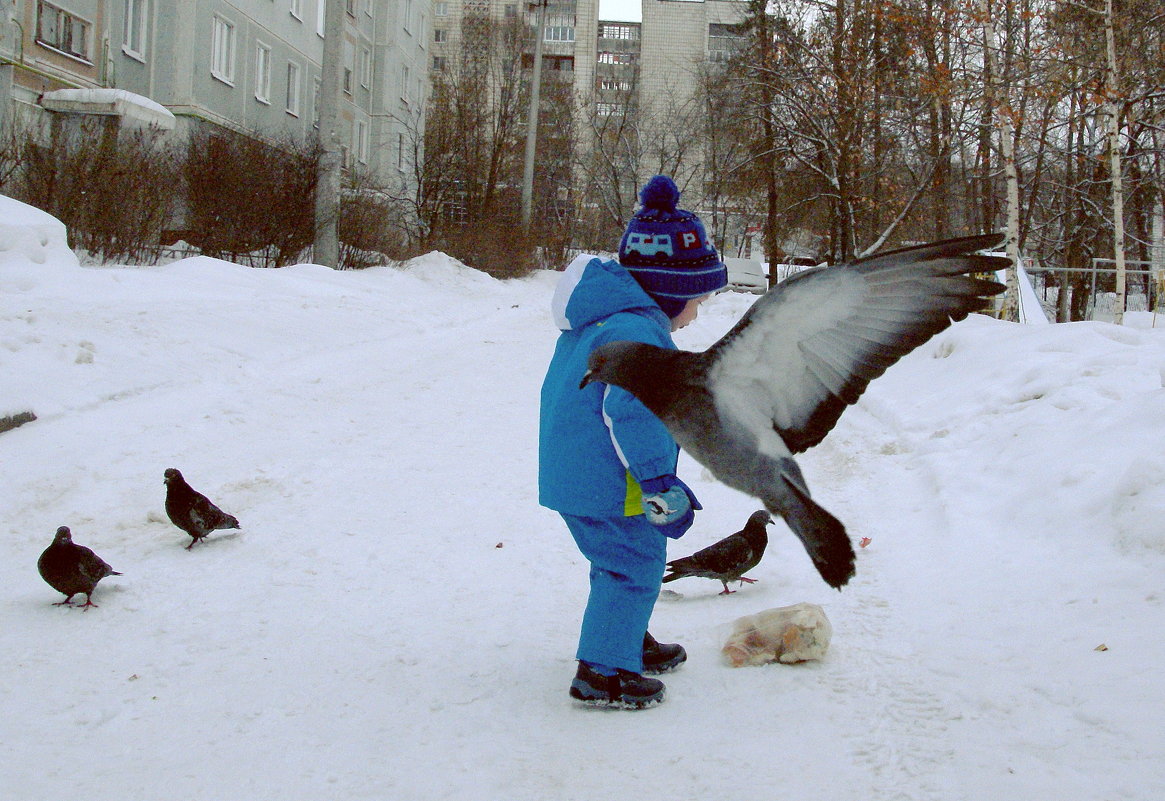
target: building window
<point>559,29</point>
<point>321,6</point>
<point>439,63</point>
<point>614,85</point>
<point>609,31</point>
<point>408,15</point>
<point>441,9</point>
<point>511,11</point>
<point>222,50</point>
<point>293,88</point>
<point>360,141</point>
<point>366,68</point>
<point>404,83</point>
<point>135,26</point>
<point>262,73</point>
<point>297,9</point>
<point>440,35</point>
<point>62,31</point>
<point>723,41</point>
<point>609,109</point>
<point>350,7</point>
<point>315,103</point>
<point>616,58</point>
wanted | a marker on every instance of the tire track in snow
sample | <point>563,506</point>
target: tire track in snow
<point>900,729</point>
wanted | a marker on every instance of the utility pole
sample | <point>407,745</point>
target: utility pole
<point>326,250</point>
<point>532,118</point>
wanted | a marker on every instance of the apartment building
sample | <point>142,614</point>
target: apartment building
<point>248,65</point>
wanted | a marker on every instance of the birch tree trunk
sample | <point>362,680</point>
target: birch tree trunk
<point>1114,165</point>
<point>1000,110</point>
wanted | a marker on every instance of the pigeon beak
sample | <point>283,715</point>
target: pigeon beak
<point>587,378</point>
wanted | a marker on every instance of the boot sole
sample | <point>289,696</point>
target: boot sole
<point>602,702</point>
<point>667,666</point>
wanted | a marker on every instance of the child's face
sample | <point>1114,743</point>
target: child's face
<point>690,312</point>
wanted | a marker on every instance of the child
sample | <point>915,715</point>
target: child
<point>603,456</point>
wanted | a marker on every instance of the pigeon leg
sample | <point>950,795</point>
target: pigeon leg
<point>67,602</point>
<point>726,591</point>
<point>746,580</point>
<point>88,603</point>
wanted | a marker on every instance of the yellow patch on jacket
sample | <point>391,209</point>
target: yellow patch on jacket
<point>633,501</point>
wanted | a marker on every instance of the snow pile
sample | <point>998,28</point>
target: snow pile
<point>30,236</point>
<point>397,616</point>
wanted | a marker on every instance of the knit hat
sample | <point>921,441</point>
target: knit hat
<point>667,250</point>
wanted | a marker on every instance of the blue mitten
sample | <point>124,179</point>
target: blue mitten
<point>669,504</point>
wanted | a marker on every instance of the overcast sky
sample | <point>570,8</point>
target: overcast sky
<point>621,10</point>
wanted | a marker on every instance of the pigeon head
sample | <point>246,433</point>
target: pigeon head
<point>172,474</point>
<point>653,375</point>
<point>63,535</point>
<point>622,363</point>
<point>760,519</point>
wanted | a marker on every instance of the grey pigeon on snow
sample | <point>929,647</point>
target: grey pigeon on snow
<point>777,383</point>
<point>72,568</point>
<point>730,558</point>
<point>192,511</point>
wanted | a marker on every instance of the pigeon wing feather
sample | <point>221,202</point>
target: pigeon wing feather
<point>811,345</point>
<point>720,558</point>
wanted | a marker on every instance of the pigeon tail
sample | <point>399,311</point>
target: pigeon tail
<point>821,533</point>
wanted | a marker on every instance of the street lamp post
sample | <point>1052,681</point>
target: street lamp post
<point>532,119</point>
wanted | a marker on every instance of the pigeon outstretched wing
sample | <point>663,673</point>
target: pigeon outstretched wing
<point>812,345</point>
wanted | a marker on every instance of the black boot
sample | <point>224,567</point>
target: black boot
<point>660,657</point>
<point>625,690</point>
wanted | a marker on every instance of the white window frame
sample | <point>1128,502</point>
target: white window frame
<point>134,40</point>
<point>366,68</point>
<point>262,73</point>
<point>296,9</point>
<point>60,30</point>
<point>321,9</point>
<point>441,8</point>
<point>294,88</point>
<point>407,16</point>
<point>404,83</point>
<point>315,102</point>
<point>222,49</point>
<point>360,141</point>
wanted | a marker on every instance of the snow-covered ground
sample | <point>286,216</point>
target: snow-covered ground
<point>397,617</point>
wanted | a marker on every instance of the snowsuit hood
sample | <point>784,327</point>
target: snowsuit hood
<point>591,289</point>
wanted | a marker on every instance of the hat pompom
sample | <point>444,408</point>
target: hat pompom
<point>660,193</point>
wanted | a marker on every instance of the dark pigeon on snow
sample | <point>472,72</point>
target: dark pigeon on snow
<point>777,383</point>
<point>730,558</point>
<point>72,568</point>
<point>192,511</point>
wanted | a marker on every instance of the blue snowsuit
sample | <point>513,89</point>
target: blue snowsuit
<point>595,446</point>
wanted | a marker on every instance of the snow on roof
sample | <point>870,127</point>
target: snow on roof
<point>109,101</point>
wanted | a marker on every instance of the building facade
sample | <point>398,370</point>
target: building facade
<point>252,66</point>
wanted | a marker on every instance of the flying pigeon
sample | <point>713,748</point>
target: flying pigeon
<point>72,568</point>
<point>730,558</point>
<point>192,511</point>
<point>777,383</point>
